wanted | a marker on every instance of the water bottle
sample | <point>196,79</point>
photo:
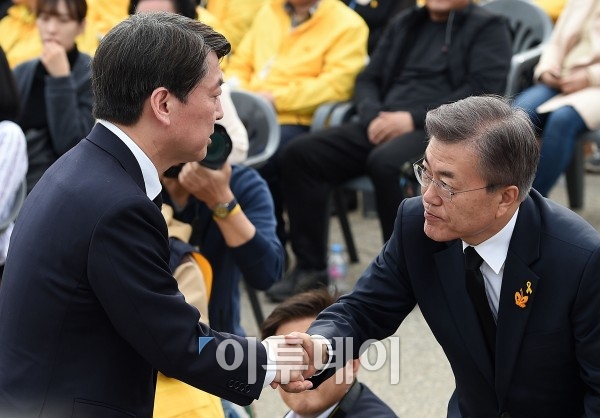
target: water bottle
<point>337,269</point>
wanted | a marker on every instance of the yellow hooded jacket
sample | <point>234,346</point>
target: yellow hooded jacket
<point>305,66</point>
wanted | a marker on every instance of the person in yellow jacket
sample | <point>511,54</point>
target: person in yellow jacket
<point>298,54</point>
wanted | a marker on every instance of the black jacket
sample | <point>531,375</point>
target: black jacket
<point>479,54</point>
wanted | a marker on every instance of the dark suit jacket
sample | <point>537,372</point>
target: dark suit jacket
<point>547,361</point>
<point>88,307</point>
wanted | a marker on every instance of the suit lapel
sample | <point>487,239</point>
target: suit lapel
<point>109,142</point>
<point>451,269</point>
<point>518,282</point>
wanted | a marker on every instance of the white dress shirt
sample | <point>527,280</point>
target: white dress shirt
<point>494,251</point>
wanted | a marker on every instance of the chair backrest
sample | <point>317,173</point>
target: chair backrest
<point>260,120</point>
<point>530,27</point>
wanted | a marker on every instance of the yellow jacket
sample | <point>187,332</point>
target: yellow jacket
<point>101,17</point>
<point>233,18</point>
<point>302,67</point>
<point>19,37</point>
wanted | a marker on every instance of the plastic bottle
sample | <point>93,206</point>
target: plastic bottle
<point>337,269</point>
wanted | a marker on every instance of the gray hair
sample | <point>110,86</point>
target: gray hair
<point>502,136</point>
<point>147,51</point>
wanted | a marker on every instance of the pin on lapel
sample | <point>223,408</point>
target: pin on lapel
<point>520,299</point>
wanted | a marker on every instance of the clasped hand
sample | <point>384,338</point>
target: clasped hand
<point>297,356</point>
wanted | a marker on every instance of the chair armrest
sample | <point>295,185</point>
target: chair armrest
<point>321,116</point>
<point>520,63</point>
<point>342,113</point>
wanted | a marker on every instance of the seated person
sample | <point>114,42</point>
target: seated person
<point>19,35</point>
<point>430,55</point>
<point>231,212</point>
<point>298,54</point>
<point>56,88</point>
<point>339,396</point>
<point>13,156</point>
<point>563,102</point>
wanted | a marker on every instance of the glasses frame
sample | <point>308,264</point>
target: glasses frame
<point>443,189</point>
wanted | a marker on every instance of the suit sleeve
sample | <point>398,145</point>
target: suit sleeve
<point>586,328</point>
<point>129,274</point>
<point>375,308</point>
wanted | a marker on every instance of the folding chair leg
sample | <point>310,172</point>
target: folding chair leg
<point>255,303</point>
<point>342,214</point>
<point>574,176</point>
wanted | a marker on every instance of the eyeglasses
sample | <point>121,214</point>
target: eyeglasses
<point>445,191</point>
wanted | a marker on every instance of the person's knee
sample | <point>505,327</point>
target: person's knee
<point>563,120</point>
<point>295,150</point>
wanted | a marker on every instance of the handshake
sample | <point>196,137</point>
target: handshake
<point>295,357</point>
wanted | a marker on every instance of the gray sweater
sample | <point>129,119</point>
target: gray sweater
<point>69,114</point>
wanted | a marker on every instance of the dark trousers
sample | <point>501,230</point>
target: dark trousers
<point>271,173</point>
<point>312,163</point>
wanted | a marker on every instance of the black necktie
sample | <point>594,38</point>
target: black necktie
<point>158,201</point>
<point>476,289</point>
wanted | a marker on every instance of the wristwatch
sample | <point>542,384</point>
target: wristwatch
<point>223,210</point>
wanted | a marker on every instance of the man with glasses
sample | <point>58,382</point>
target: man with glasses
<point>428,56</point>
<point>507,280</point>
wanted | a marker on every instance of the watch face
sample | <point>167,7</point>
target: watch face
<point>221,211</point>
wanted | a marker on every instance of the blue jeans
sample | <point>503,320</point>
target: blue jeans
<point>559,131</point>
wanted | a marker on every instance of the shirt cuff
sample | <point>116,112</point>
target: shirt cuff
<point>271,363</point>
<point>329,353</point>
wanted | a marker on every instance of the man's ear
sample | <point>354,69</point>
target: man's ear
<point>160,105</point>
<point>509,196</point>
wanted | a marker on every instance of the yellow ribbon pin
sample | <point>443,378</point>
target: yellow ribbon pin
<point>529,291</point>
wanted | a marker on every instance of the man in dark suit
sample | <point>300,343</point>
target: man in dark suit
<point>538,270</point>
<point>89,310</point>
<point>341,395</point>
<point>439,53</point>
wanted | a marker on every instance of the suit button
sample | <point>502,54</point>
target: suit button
<point>247,388</point>
<point>237,385</point>
<point>505,415</point>
<point>230,383</point>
